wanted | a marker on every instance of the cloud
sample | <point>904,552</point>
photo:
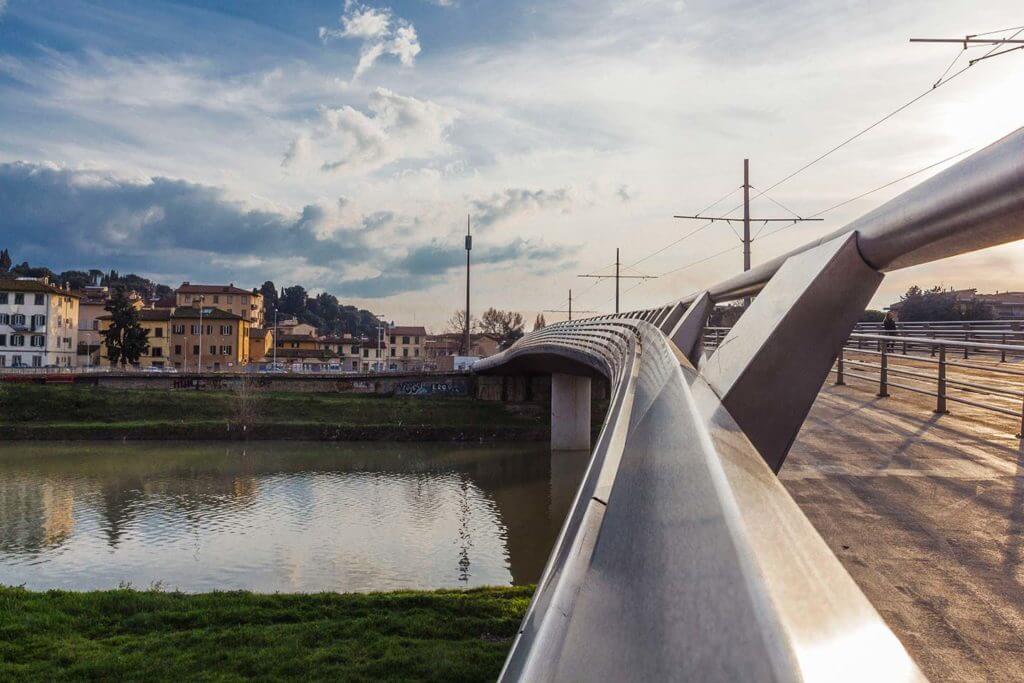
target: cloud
<point>517,201</point>
<point>396,127</point>
<point>3,7</point>
<point>66,218</point>
<point>381,34</point>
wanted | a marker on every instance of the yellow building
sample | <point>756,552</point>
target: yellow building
<point>156,322</point>
<point>405,348</point>
<point>304,342</point>
<point>208,339</point>
<point>261,344</point>
<point>246,304</point>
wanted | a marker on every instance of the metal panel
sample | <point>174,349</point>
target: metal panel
<point>770,366</point>
<point>689,331</point>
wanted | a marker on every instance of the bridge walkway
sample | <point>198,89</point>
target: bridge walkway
<point>926,512</point>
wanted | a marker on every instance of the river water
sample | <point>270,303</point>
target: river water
<point>279,516</point>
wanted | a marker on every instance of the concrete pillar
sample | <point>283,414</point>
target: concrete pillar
<point>570,412</point>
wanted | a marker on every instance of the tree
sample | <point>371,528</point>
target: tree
<point>5,261</point>
<point>125,339</point>
<point>539,322</point>
<point>507,326</point>
<point>872,315</point>
<point>270,302</point>
<point>928,304</point>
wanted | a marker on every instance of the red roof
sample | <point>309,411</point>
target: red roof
<point>189,288</point>
<point>409,331</point>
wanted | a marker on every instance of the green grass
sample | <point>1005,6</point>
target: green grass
<point>153,636</point>
<point>24,404</point>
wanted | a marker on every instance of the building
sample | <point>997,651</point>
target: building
<point>157,323</point>
<point>38,324</point>
<point>405,348</point>
<point>261,344</point>
<point>441,349</point>
<point>246,304</point>
<point>91,307</point>
<point>208,339</point>
<point>305,342</point>
<point>347,348</point>
<point>1004,305</point>
<point>293,326</point>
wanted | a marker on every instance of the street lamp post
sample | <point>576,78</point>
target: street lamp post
<point>274,340</point>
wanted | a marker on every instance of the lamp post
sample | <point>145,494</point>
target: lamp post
<point>274,340</point>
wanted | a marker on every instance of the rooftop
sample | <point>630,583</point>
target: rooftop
<point>34,285</point>
<point>408,330</point>
<point>189,288</point>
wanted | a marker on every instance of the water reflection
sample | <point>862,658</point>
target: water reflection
<point>280,516</point>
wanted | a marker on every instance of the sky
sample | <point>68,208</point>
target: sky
<point>341,145</point>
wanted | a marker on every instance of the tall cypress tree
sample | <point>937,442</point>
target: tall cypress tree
<point>125,339</point>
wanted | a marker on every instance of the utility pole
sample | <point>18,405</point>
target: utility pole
<point>568,311</point>
<point>746,239</point>
<point>618,277</point>
<point>469,247</point>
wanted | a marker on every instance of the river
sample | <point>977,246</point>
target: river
<point>279,516</point>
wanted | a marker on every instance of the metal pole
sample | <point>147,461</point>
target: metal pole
<point>967,338</point>
<point>616,279</point>
<point>883,373</point>
<point>940,406</point>
<point>839,369</point>
<point>1002,352</point>
<point>570,305</point>
<point>469,247</point>
<point>274,340</point>
<point>746,221</point>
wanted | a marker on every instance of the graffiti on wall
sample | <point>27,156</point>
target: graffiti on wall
<point>431,388</point>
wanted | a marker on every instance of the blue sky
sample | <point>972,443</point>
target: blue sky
<point>340,145</point>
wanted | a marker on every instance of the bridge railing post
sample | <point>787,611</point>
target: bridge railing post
<point>1002,352</point>
<point>940,406</point>
<point>967,338</point>
<point>840,380</point>
<point>883,371</point>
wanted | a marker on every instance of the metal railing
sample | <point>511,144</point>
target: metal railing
<point>995,387</point>
<point>955,379</point>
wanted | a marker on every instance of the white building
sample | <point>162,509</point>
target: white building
<point>38,324</point>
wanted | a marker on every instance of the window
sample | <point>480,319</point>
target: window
<point>40,300</point>
<point>231,299</point>
<point>209,329</point>
<point>60,321</point>
<point>195,349</point>
<point>19,298</point>
<point>393,352</point>
<point>417,352</point>
<point>67,342</point>
<point>15,360</point>
<point>18,319</point>
<point>194,329</point>
<point>158,352</point>
<point>17,340</point>
<point>178,329</point>
<point>225,350</point>
<point>3,340</point>
<point>213,349</point>
<point>216,299</point>
<point>405,353</point>
<point>5,319</point>
<point>245,300</point>
<point>405,340</point>
<point>38,340</point>
<point>392,339</point>
<point>158,332</point>
<point>416,340</point>
<point>177,349</point>
<point>366,353</point>
<point>3,297</point>
<point>225,329</point>
<point>3,361</point>
<point>37,362</point>
<point>95,324</point>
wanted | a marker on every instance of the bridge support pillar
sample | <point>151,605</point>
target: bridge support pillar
<point>570,412</point>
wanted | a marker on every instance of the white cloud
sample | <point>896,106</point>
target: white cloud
<point>517,201</point>
<point>351,141</point>
<point>381,32</point>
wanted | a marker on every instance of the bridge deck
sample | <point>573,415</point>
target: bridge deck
<point>927,514</point>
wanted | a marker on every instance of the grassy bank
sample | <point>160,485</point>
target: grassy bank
<point>84,412</point>
<point>153,636</point>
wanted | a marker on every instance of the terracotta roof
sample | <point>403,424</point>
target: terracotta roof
<point>258,333</point>
<point>35,286</point>
<point>209,313</point>
<point>297,337</point>
<point>408,331</point>
<point>189,288</point>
